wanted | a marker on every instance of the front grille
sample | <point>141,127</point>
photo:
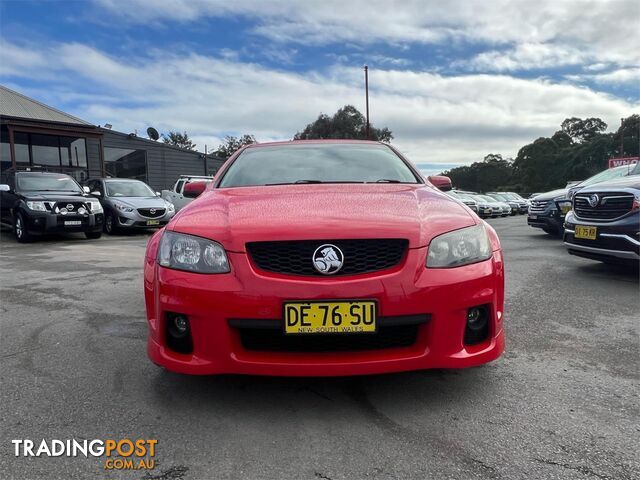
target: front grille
<point>64,205</point>
<point>610,205</point>
<point>295,257</point>
<point>276,341</point>
<point>151,212</point>
<point>538,206</point>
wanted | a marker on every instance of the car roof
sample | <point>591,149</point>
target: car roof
<point>336,141</point>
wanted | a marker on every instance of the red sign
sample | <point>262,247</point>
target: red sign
<point>618,162</point>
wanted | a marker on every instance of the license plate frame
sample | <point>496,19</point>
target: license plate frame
<point>72,223</point>
<point>329,328</point>
<point>585,232</point>
<point>153,223</point>
<point>533,217</point>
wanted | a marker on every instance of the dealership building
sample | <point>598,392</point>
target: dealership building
<point>34,135</point>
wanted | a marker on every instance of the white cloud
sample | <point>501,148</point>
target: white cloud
<point>548,31</point>
<point>435,118</point>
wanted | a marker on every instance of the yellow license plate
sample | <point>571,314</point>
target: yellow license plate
<point>357,316</point>
<point>153,222</point>
<point>587,233</point>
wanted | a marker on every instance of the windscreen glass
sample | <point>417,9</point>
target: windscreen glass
<point>128,189</point>
<point>52,183</point>
<point>317,163</point>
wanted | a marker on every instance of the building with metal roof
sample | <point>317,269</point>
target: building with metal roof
<point>38,136</point>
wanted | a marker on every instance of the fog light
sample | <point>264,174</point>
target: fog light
<point>477,327</point>
<point>180,324</point>
<point>178,333</point>
<point>476,318</point>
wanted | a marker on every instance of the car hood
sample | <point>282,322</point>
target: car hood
<point>56,196</point>
<point>632,181</point>
<point>235,216</point>
<point>552,194</point>
<point>140,202</point>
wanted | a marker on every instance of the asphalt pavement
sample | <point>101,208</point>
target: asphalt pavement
<point>561,403</point>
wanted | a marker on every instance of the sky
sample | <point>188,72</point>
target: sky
<point>453,80</point>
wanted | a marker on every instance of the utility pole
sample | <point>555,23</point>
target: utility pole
<point>621,138</point>
<point>205,159</point>
<point>366,93</point>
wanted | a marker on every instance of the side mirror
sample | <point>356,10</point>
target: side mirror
<point>96,194</point>
<point>441,182</point>
<point>4,187</point>
<point>194,189</point>
<point>86,189</point>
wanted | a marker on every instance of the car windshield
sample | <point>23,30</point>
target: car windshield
<point>636,169</point>
<point>317,163</point>
<point>487,198</point>
<point>128,188</point>
<point>499,196</point>
<point>27,182</point>
<point>610,174</point>
<point>463,196</point>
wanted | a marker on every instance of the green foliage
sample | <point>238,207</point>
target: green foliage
<point>346,123</point>
<point>575,152</point>
<point>232,144</point>
<point>485,176</point>
<point>178,139</point>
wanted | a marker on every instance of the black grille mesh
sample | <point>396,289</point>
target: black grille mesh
<point>277,341</point>
<point>157,212</point>
<point>611,205</point>
<point>295,257</point>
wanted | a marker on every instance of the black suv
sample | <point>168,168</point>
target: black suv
<point>605,222</point>
<point>34,203</point>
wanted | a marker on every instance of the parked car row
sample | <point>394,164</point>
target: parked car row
<point>34,203</point>
<point>598,218</point>
<point>493,204</point>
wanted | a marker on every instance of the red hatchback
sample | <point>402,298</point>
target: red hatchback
<point>323,258</point>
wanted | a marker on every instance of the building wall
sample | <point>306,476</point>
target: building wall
<point>94,158</point>
<point>164,163</point>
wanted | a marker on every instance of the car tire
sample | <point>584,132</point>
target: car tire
<point>93,235</point>
<point>110,224</point>
<point>20,229</point>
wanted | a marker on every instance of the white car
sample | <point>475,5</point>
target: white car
<point>176,194</point>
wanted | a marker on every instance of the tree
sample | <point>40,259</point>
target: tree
<point>178,139</point>
<point>232,144</point>
<point>583,130</point>
<point>346,123</point>
<point>493,173</point>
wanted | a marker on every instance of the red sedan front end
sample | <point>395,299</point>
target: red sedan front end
<point>296,271</point>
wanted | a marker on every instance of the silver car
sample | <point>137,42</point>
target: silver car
<point>130,204</point>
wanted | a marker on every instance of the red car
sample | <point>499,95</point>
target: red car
<point>318,258</point>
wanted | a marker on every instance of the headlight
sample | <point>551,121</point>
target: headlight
<point>460,247</point>
<point>123,208</point>
<point>194,254</point>
<point>37,206</point>
<point>94,206</point>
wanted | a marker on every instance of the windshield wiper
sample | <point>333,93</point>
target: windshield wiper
<point>387,180</point>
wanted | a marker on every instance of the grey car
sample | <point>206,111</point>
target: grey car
<point>130,204</point>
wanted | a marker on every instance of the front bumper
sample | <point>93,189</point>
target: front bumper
<point>134,220</point>
<point>550,219</point>
<point>617,240</point>
<point>214,303</point>
<point>40,223</point>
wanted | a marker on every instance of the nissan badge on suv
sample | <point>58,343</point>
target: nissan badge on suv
<point>35,203</point>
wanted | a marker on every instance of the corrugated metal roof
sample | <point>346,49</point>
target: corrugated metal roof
<point>14,104</point>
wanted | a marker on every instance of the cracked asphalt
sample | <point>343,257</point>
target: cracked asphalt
<point>561,403</point>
